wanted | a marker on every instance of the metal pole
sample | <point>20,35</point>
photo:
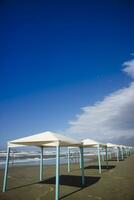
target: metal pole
<point>80,158</point>
<point>110,154</point>
<point>41,164</point>
<point>122,157</point>
<point>68,160</point>
<point>99,162</point>
<point>106,158</point>
<point>6,170</point>
<point>57,172</point>
<point>117,154</point>
<point>102,155</point>
<point>82,165</point>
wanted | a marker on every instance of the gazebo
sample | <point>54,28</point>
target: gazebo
<point>116,147</point>
<point>41,140</point>
<point>89,143</point>
<point>68,156</point>
<point>124,152</point>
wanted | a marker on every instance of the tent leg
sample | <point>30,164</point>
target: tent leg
<point>102,155</point>
<point>41,164</point>
<point>110,155</point>
<point>99,162</point>
<point>82,165</point>
<point>68,160</point>
<point>106,158</point>
<point>57,172</point>
<point>117,154</point>
<point>80,159</point>
<point>6,170</point>
<point>122,157</point>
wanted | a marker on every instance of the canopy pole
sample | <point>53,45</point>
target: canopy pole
<point>6,170</point>
<point>41,164</point>
<point>99,162</point>
<point>57,172</point>
<point>117,154</point>
<point>122,157</point>
<point>102,155</point>
<point>82,165</point>
<point>106,158</point>
<point>110,154</point>
<point>68,160</point>
<point>80,159</point>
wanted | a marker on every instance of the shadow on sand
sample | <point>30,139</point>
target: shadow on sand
<point>66,180</point>
<point>22,186</point>
<point>102,167</point>
<point>114,159</point>
<point>74,181</point>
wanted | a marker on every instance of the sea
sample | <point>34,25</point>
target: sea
<point>36,161</point>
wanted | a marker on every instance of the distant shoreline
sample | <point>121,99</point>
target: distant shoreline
<point>35,161</point>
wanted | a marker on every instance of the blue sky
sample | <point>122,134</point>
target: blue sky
<point>57,57</point>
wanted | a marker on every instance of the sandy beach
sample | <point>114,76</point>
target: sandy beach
<point>115,183</point>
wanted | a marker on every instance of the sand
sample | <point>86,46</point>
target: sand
<point>116,183</point>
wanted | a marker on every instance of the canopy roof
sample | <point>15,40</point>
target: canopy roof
<point>110,145</point>
<point>122,146</point>
<point>92,143</point>
<point>48,139</point>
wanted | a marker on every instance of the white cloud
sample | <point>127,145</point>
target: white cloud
<point>111,118</point>
<point>129,68</point>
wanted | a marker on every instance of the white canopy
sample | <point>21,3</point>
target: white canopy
<point>92,143</point>
<point>48,139</point>
<point>45,139</point>
<point>122,146</point>
<point>110,145</point>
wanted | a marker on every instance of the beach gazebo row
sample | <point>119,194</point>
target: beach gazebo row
<point>51,139</point>
<point>88,143</point>
<point>120,151</point>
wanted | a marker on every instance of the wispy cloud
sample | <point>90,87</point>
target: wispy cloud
<point>129,68</point>
<point>111,118</point>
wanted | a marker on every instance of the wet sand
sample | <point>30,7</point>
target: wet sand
<point>116,183</point>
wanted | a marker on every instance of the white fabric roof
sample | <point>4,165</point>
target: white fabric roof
<point>122,146</point>
<point>92,143</point>
<point>15,145</point>
<point>48,139</point>
<point>110,145</point>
